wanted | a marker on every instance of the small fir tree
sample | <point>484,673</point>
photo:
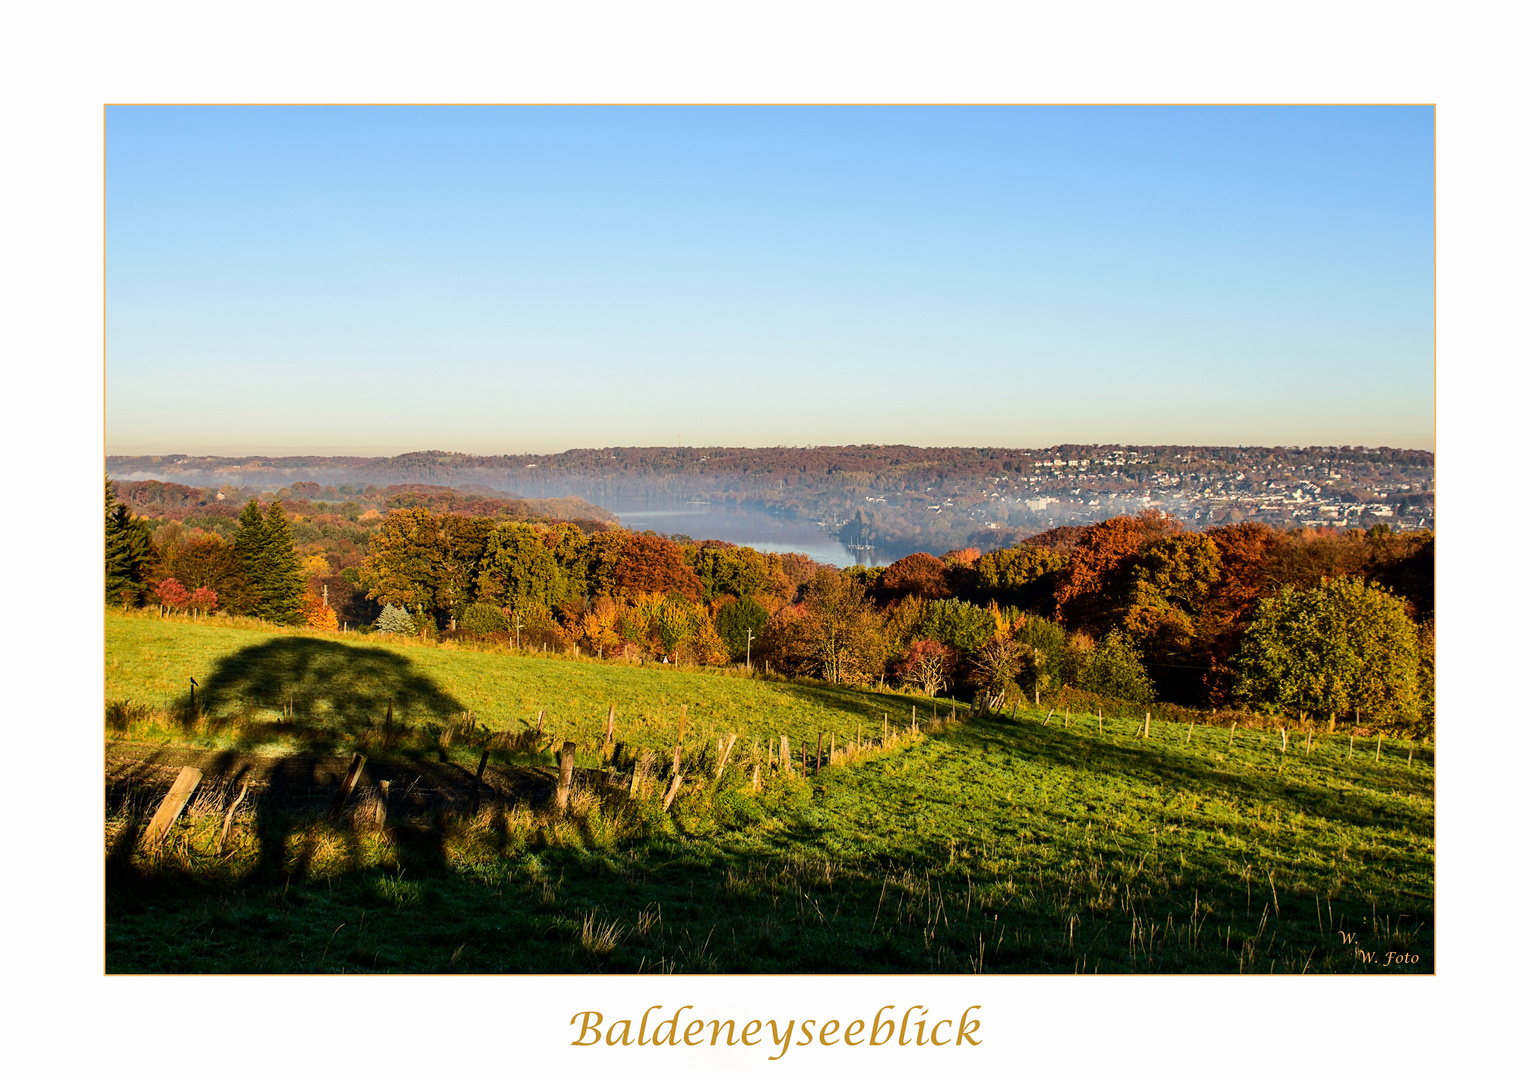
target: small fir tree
<point>395,620</point>
<point>128,552</point>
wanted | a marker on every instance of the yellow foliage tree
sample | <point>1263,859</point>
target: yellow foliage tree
<point>315,566</point>
<point>707,644</point>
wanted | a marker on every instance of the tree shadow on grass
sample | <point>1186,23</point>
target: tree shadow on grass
<point>328,694</point>
<point>869,706</point>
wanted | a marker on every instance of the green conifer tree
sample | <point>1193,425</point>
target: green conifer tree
<point>128,552</point>
<point>282,588</point>
<point>265,545</point>
<point>251,546</point>
<point>395,620</point>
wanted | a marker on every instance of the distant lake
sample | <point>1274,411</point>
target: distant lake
<point>746,527</point>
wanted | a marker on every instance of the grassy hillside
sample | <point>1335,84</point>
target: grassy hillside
<point>991,845</point>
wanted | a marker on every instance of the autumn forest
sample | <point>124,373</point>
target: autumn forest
<point>1313,624</point>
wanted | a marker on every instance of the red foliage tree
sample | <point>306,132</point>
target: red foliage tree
<point>928,665</point>
<point>920,574</point>
<point>1245,550</point>
<point>653,564</point>
<point>1094,587</point>
<point>797,568</point>
<point>171,594</point>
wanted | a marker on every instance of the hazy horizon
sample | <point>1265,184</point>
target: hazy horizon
<point>727,446</point>
<point>371,281</point>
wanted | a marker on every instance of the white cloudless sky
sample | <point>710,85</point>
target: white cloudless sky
<point>529,279</point>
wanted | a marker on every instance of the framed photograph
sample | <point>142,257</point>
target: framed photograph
<point>759,540</point>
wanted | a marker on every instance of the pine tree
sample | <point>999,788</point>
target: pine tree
<point>265,545</point>
<point>283,584</point>
<point>128,552</point>
<point>250,546</point>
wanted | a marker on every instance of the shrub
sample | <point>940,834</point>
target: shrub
<point>1043,645</point>
<point>483,618</point>
<point>928,665</point>
<point>319,614</point>
<point>1114,668</point>
<point>171,594</point>
<point>395,620</point>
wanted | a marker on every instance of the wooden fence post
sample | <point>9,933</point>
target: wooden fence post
<point>673,789</point>
<point>818,754</point>
<point>1377,740</point>
<point>756,776</point>
<point>679,743</point>
<point>1190,723</point>
<point>1014,706</point>
<point>476,796</point>
<point>1146,723</point>
<point>804,759</point>
<point>785,754</point>
<point>1232,734</point>
<point>355,767</point>
<point>722,764</point>
<point>383,796</point>
<point>540,724</point>
<point>181,790</point>
<point>1098,721</point>
<point>230,815</point>
<point>609,727</point>
<point>564,783</point>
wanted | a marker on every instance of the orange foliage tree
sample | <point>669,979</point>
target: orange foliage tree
<point>1093,588</point>
<point>920,574</point>
<point>319,614</point>
<point>653,564</point>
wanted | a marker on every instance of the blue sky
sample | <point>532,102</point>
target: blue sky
<point>504,280</point>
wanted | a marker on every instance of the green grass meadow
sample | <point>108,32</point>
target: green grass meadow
<point>336,680</point>
<point>987,846</point>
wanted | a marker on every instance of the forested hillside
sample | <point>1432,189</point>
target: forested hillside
<point>1313,624</point>
<point>901,499</point>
